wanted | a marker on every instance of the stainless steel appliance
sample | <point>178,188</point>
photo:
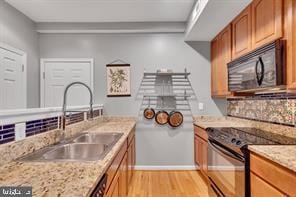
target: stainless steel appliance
<point>100,188</point>
<point>263,68</point>
<point>228,158</point>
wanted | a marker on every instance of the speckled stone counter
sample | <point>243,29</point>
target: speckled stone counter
<point>66,178</point>
<point>284,155</point>
<point>226,121</point>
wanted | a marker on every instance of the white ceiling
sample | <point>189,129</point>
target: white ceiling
<point>104,10</point>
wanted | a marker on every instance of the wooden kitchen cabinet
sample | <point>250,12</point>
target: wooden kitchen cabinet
<point>242,33</point>
<point>201,150</point>
<point>123,182</point>
<point>290,37</point>
<point>131,158</point>
<point>281,182</point>
<point>120,171</point>
<point>221,55</point>
<point>262,188</point>
<point>114,189</point>
<point>267,21</point>
<point>214,64</point>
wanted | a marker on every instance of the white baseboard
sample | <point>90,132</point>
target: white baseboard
<point>181,167</point>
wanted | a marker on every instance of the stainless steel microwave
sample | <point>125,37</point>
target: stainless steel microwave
<point>263,68</point>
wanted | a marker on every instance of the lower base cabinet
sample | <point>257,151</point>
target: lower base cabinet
<point>114,189</point>
<point>123,181</point>
<point>270,179</point>
<point>131,160</point>
<point>121,170</point>
<point>201,150</point>
<point>262,188</point>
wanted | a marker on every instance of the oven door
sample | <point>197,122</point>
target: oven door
<point>226,170</point>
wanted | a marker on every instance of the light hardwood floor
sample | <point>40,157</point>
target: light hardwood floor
<point>168,184</point>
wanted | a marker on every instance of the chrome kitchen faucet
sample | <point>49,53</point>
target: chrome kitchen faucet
<point>65,104</point>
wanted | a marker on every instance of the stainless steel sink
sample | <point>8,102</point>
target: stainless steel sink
<point>98,138</point>
<point>84,147</point>
<point>76,151</point>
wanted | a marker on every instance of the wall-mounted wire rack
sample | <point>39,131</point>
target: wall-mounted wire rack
<point>166,91</point>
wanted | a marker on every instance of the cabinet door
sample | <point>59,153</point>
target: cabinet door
<point>131,160</point>
<point>205,157</point>
<point>266,21</point>
<point>290,36</point>
<point>123,177</point>
<point>114,189</point>
<point>222,71</point>
<point>196,150</point>
<point>134,155</point>
<point>241,33</point>
<point>214,62</point>
<point>200,153</point>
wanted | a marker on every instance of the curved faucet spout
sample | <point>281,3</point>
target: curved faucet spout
<point>65,101</point>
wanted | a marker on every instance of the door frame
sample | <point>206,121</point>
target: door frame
<point>24,63</point>
<point>43,61</point>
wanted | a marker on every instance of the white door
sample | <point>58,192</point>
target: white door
<point>12,79</point>
<point>58,73</point>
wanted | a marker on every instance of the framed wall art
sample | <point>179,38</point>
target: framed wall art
<point>118,80</point>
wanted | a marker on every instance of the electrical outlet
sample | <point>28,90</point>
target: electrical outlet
<point>200,106</point>
<point>20,131</point>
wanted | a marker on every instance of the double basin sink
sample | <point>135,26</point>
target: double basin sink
<point>84,147</point>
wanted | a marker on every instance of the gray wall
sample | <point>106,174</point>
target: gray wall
<point>18,31</point>
<point>156,145</point>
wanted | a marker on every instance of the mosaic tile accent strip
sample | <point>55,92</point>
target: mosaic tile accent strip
<point>268,96</point>
<point>74,118</point>
<point>39,126</point>
<point>276,110</point>
<point>96,113</point>
<point>7,133</point>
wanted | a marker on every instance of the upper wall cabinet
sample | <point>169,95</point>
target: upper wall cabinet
<point>221,55</point>
<point>267,22</point>
<point>225,45</point>
<point>290,37</point>
<point>262,22</point>
<point>214,63</point>
<point>241,33</point>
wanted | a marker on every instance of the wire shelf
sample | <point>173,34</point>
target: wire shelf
<point>166,91</point>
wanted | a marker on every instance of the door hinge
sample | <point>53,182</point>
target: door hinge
<point>43,75</point>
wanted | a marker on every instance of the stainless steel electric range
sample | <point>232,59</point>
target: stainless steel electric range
<point>228,157</point>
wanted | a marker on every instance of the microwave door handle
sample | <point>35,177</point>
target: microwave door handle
<point>262,70</point>
<point>259,78</point>
<point>225,152</point>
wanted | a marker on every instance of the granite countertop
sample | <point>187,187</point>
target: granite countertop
<point>65,178</point>
<point>284,155</point>
<point>209,121</point>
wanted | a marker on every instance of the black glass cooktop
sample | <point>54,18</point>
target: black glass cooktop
<point>242,136</point>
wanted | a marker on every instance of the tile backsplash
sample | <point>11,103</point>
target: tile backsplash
<point>38,126</point>
<point>42,125</point>
<point>280,109</point>
<point>7,133</point>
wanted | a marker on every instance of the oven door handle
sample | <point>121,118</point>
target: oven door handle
<point>225,152</point>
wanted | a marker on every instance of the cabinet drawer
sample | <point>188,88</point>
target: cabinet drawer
<point>276,175</point>
<point>201,133</point>
<point>260,188</point>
